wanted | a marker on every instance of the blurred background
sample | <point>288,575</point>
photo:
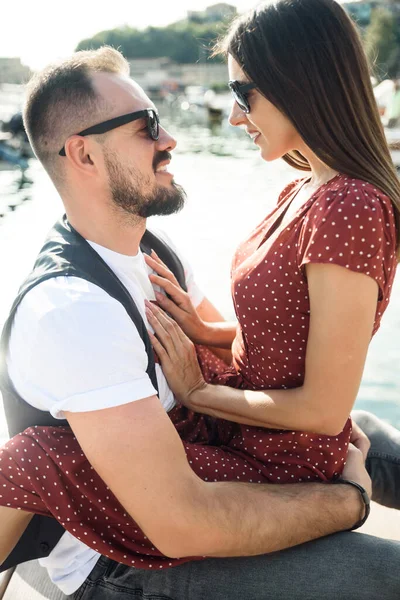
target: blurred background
<point>230,189</point>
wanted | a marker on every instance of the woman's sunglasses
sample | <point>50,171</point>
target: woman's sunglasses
<point>239,92</point>
<point>152,124</point>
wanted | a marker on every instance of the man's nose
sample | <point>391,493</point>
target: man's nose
<point>237,116</point>
<point>165,142</point>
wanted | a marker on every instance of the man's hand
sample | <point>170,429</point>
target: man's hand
<point>360,440</point>
<point>355,470</point>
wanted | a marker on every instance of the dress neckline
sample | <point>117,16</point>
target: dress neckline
<point>279,221</point>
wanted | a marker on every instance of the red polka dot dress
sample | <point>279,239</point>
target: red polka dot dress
<point>346,222</point>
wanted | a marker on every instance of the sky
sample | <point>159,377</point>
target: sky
<point>40,31</point>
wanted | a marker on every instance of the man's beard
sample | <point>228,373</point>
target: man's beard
<point>127,190</point>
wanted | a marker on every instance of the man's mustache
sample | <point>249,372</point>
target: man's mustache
<point>161,157</point>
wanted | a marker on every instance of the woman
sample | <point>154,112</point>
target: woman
<point>310,286</point>
<point>312,281</point>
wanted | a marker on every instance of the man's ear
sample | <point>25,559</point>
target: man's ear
<point>78,152</point>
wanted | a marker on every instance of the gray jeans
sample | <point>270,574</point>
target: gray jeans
<point>344,566</point>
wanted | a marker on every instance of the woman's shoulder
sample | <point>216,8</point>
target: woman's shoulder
<point>347,207</point>
<point>344,188</point>
<point>350,223</point>
<point>350,198</point>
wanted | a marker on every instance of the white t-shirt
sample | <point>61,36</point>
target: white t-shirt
<point>73,347</point>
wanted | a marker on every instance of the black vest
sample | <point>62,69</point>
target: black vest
<point>67,253</point>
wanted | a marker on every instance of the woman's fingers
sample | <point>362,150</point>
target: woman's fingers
<point>177,294</point>
<point>177,354</point>
<point>163,336</point>
<point>179,336</point>
<point>154,255</point>
<point>178,300</point>
<point>169,306</point>
<point>159,267</point>
<point>158,347</point>
<point>165,278</point>
<point>165,328</point>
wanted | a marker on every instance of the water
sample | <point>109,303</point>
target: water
<point>229,191</point>
<point>11,100</point>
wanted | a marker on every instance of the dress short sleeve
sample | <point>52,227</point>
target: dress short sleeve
<point>351,225</point>
<point>291,188</point>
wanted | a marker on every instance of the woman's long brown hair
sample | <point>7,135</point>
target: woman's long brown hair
<point>307,58</point>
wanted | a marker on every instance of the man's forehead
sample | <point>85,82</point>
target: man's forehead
<point>120,92</point>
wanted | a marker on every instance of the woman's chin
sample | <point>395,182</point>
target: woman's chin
<point>268,155</point>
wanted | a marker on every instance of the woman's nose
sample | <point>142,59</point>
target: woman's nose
<point>237,116</point>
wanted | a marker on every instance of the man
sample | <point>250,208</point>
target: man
<point>74,351</point>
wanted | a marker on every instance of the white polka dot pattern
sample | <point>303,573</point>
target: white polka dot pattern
<point>347,222</point>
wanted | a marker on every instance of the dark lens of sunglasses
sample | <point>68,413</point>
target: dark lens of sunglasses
<point>152,126</point>
<point>241,100</point>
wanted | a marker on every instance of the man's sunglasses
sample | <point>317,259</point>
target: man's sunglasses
<point>240,91</point>
<point>152,124</point>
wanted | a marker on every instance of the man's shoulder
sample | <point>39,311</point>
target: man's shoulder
<point>58,293</point>
<point>65,306</point>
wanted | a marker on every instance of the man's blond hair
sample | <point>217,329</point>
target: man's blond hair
<point>61,101</point>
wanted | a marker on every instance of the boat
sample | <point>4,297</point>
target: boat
<point>15,149</point>
<point>11,156</point>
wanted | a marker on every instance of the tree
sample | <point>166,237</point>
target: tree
<point>382,42</point>
<point>183,42</point>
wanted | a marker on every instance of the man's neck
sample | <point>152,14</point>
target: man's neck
<point>123,238</point>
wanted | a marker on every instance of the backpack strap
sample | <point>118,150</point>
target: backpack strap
<point>151,242</point>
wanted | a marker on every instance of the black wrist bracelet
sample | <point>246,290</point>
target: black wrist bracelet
<point>364,497</point>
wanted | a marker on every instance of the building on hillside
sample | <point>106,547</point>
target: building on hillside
<point>215,12</point>
<point>163,74</point>
<point>149,73</point>
<point>221,11</point>
<point>13,71</point>
<point>207,74</point>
